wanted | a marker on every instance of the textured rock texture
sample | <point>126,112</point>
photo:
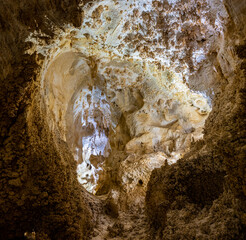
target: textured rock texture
<point>38,186</point>
<point>202,196</point>
<point>126,89</point>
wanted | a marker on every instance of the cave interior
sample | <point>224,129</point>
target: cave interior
<point>123,119</point>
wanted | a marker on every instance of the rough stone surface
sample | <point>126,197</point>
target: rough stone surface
<point>38,190</point>
<point>211,205</point>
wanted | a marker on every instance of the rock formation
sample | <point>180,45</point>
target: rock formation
<point>122,119</point>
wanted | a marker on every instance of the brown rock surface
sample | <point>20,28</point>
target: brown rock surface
<point>37,170</point>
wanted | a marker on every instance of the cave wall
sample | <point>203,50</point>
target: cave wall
<point>202,196</point>
<point>39,191</point>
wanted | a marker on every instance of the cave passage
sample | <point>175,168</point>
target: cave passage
<point>122,119</point>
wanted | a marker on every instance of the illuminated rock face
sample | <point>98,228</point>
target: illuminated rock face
<point>129,60</point>
<point>160,111</point>
<point>81,113</point>
<point>92,118</point>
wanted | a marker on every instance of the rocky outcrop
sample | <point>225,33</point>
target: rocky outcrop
<point>202,196</point>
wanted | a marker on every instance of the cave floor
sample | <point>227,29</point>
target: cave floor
<point>130,224</point>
